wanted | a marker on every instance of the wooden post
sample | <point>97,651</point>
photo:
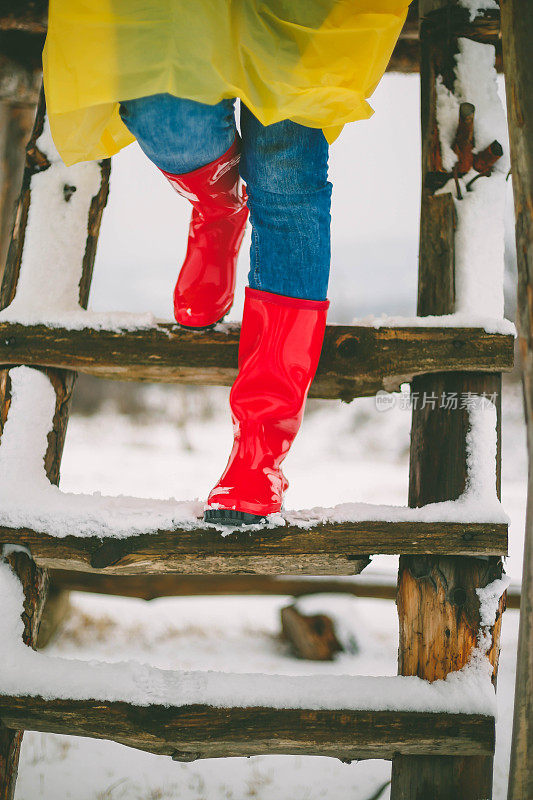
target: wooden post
<point>517,33</point>
<point>438,606</point>
<point>35,582</point>
<point>20,82</point>
<point>33,579</point>
<point>55,612</point>
<point>16,123</point>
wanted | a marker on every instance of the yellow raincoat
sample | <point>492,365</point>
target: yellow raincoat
<point>311,61</point>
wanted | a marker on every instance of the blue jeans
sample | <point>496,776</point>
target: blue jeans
<point>285,167</point>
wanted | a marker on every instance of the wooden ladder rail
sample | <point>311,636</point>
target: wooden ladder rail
<point>35,580</point>
<point>438,606</point>
<point>517,34</point>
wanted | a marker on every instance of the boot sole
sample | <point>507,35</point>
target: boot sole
<point>199,327</point>
<point>230,517</point>
<point>202,327</point>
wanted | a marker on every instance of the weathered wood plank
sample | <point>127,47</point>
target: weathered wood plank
<point>356,361</point>
<point>152,586</point>
<point>517,31</point>
<point>191,732</point>
<point>324,549</point>
<point>30,16</point>
<point>149,587</point>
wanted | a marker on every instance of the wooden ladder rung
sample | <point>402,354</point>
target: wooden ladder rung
<point>356,360</point>
<point>325,549</point>
<point>201,731</point>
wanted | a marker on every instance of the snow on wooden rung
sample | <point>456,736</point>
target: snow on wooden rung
<point>93,531</point>
<point>205,713</point>
<point>357,360</point>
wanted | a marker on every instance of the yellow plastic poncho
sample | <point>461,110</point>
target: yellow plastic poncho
<point>311,61</point>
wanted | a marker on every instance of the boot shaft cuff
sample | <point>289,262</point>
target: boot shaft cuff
<point>285,300</point>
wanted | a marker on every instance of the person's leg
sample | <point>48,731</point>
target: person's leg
<point>180,135</point>
<point>285,167</point>
<point>197,149</point>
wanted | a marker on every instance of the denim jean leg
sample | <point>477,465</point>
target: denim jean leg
<point>180,135</point>
<point>285,166</point>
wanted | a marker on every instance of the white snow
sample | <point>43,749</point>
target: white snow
<point>25,672</point>
<point>29,500</point>
<point>478,503</point>
<point>79,319</point>
<point>56,234</point>
<point>54,247</point>
<point>24,438</point>
<point>456,320</point>
<point>475,6</point>
<point>479,237</point>
<point>489,597</point>
<point>447,118</point>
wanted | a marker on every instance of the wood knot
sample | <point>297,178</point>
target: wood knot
<point>347,347</point>
<point>458,596</point>
<point>183,755</point>
<point>420,567</point>
<point>68,191</point>
<point>106,555</point>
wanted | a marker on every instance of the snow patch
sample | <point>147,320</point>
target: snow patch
<point>80,319</point>
<point>56,233</point>
<point>479,238</point>
<point>477,6</point>
<point>489,599</point>
<point>54,247</point>
<point>447,116</point>
<point>457,320</point>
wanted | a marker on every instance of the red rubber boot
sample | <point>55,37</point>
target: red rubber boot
<point>206,283</point>
<point>281,340</point>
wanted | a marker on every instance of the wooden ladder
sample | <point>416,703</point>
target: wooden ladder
<point>437,754</point>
